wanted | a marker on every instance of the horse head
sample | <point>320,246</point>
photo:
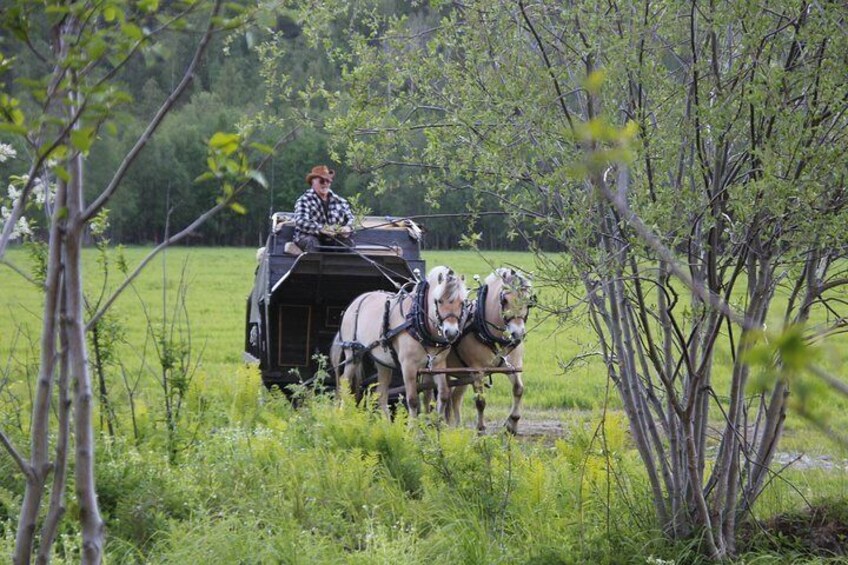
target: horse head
<point>514,292</point>
<point>447,301</point>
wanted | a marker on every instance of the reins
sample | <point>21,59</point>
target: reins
<point>383,270</point>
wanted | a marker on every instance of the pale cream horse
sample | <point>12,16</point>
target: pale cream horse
<point>409,330</point>
<point>494,337</point>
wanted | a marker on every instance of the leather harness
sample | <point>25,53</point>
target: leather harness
<point>415,323</point>
<point>479,326</point>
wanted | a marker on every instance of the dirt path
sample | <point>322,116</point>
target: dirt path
<point>546,427</point>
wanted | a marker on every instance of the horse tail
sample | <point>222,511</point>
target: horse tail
<point>336,354</point>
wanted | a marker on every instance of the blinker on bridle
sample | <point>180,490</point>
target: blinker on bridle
<point>507,319</point>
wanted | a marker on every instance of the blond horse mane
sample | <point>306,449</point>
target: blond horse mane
<point>512,278</point>
<point>444,284</point>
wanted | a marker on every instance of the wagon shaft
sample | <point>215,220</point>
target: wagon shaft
<point>471,371</point>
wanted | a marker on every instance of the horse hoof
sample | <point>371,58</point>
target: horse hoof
<point>511,425</point>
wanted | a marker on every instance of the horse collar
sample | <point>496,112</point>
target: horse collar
<point>481,325</point>
<point>417,320</point>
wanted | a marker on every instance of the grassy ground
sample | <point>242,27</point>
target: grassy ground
<point>219,281</point>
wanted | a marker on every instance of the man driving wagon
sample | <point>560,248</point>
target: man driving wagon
<point>322,217</point>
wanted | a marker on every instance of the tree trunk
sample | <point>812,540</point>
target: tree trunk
<point>40,427</point>
<point>57,493</point>
<point>92,523</point>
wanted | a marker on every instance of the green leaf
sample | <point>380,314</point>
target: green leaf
<point>595,81</point>
<point>13,128</point>
<point>96,47</point>
<point>17,117</point>
<point>62,173</point>
<point>110,13</point>
<point>226,143</point>
<point>132,31</point>
<point>148,6</point>
<point>82,138</point>
<point>238,208</point>
<point>208,175</point>
<point>261,147</point>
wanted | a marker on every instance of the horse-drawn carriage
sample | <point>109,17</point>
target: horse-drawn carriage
<point>297,320</point>
<point>297,301</point>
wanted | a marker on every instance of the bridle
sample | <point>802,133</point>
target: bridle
<point>460,318</point>
<point>416,320</point>
<point>482,325</point>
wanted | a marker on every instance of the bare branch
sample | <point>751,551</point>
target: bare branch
<point>20,272</point>
<point>548,65</point>
<point>25,468</point>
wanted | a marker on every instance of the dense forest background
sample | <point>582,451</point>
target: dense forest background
<point>160,192</point>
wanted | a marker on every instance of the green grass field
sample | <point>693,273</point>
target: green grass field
<point>197,515</point>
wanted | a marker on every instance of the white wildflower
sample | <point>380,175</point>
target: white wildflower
<point>21,229</point>
<point>22,226</point>
<point>14,194</point>
<point>43,192</point>
<point>7,152</point>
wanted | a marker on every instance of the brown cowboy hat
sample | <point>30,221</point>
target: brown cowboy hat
<point>320,171</point>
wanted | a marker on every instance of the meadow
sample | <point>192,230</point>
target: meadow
<point>255,481</point>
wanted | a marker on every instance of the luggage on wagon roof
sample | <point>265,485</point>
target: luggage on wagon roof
<point>298,298</point>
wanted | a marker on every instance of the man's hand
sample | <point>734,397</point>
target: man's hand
<point>328,230</point>
<point>345,231</point>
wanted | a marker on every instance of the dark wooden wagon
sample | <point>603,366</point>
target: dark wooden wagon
<point>297,301</point>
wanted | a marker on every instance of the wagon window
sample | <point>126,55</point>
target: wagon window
<point>334,316</point>
<point>294,335</point>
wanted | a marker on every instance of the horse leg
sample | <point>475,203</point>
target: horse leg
<point>443,398</point>
<point>410,383</point>
<point>427,393</point>
<point>515,412</point>
<point>384,380</point>
<point>479,401</point>
<point>346,377</point>
<point>456,405</point>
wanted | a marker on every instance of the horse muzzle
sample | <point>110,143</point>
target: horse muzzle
<point>451,331</point>
<point>516,331</point>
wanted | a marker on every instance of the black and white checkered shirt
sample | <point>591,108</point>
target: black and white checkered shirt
<point>309,215</point>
